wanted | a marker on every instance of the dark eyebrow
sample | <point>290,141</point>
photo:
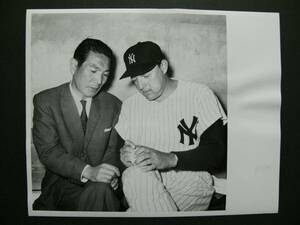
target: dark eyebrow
<point>94,66</point>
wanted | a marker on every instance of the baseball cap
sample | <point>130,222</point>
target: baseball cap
<point>141,58</point>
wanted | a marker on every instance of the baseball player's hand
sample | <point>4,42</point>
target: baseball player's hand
<point>103,173</point>
<point>150,159</point>
<point>126,153</point>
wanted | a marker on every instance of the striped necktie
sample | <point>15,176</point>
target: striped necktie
<point>83,116</point>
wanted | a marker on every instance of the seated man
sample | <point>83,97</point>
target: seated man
<point>174,136</point>
<point>74,136</point>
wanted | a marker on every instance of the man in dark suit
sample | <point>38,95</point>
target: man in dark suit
<point>73,132</point>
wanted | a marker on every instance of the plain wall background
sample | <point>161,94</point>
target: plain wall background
<point>195,46</point>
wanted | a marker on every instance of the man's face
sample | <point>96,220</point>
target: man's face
<point>92,74</point>
<point>151,84</point>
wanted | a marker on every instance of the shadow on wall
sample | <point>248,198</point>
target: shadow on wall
<point>170,71</point>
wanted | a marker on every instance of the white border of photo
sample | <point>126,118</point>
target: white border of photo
<point>254,100</point>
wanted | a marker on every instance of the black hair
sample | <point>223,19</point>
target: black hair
<point>94,45</point>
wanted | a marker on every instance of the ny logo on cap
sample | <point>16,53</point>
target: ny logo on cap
<point>131,58</point>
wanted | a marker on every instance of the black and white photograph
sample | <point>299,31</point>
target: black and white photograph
<point>152,112</point>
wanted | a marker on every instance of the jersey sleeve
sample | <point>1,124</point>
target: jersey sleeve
<point>211,153</point>
<point>123,121</point>
<point>210,109</point>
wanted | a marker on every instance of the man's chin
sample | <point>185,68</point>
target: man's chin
<point>91,93</point>
<point>149,97</point>
<point>153,97</point>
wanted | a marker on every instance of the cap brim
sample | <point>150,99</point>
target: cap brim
<point>138,70</point>
<point>125,75</point>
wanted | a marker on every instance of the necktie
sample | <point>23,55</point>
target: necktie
<point>83,116</point>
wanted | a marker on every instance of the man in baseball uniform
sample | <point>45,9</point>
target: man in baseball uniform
<point>174,134</point>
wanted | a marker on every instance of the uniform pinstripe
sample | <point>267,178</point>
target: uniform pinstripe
<point>192,107</point>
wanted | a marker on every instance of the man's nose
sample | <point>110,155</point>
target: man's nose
<point>98,78</point>
<point>141,83</point>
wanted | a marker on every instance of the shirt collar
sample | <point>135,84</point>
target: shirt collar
<point>77,100</point>
<point>75,96</point>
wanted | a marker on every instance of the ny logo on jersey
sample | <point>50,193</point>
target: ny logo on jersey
<point>131,58</point>
<point>185,130</point>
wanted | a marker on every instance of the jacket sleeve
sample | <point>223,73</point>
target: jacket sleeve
<point>112,153</point>
<point>47,142</point>
<point>210,154</point>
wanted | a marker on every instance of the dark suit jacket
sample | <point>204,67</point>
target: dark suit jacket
<point>59,138</point>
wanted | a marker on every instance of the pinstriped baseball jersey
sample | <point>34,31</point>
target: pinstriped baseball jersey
<point>174,124</point>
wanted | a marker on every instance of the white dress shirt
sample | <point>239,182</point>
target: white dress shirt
<point>78,104</point>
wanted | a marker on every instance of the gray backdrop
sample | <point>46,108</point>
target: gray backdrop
<point>194,44</point>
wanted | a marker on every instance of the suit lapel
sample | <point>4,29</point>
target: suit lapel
<point>71,116</point>
<point>94,117</point>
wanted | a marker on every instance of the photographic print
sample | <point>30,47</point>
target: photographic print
<point>147,112</point>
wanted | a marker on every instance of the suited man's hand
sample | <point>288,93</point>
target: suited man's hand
<point>103,173</point>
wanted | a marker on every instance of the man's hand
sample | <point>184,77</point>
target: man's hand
<point>127,153</point>
<point>150,159</point>
<point>103,173</point>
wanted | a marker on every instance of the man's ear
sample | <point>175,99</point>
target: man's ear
<point>164,66</point>
<point>73,65</point>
